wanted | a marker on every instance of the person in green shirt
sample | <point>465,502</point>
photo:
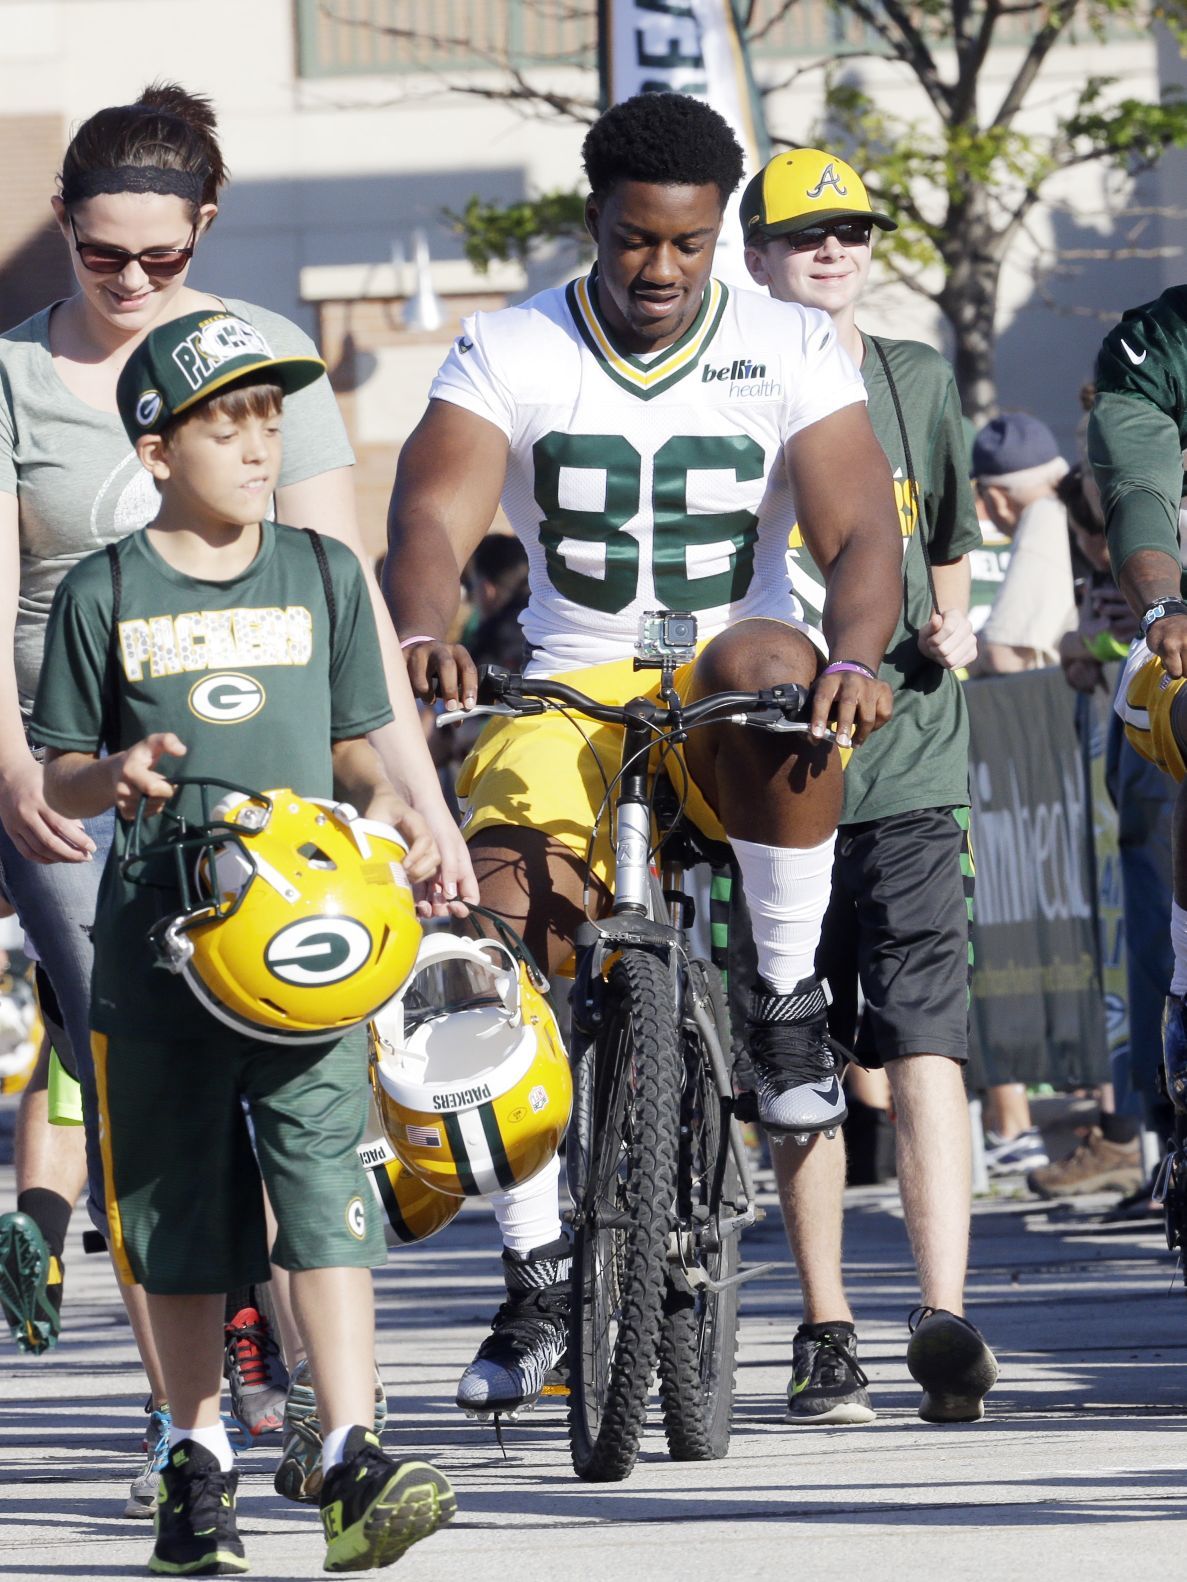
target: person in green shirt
<point>1137,436</point>
<point>221,644</point>
<point>902,877</point>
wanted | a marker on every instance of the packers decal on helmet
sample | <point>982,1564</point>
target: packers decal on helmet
<point>471,1076</point>
<point>297,920</point>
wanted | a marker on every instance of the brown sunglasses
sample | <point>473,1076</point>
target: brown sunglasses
<point>102,259</point>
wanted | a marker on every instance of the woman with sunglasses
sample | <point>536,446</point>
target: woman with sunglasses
<point>139,190</point>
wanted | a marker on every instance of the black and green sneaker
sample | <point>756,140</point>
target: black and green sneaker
<point>827,1384</point>
<point>196,1532</point>
<point>30,1284</point>
<point>374,1509</point>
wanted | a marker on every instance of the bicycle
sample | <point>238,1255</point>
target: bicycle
<point>657,1167</point>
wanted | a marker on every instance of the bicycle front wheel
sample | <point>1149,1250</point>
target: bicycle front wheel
<point>699,1339</point>
<point>620,1247</point>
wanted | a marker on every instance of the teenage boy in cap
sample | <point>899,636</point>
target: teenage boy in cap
<point>1017,466</point>
<point>902,876</point>
<point>201,400</point>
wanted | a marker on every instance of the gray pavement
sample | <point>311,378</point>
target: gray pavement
<point>1078,1472</point>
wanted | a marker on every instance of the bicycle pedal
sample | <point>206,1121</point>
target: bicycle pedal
<point>556,1391</point>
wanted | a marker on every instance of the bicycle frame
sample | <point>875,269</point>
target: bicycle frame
<point>645,914</point>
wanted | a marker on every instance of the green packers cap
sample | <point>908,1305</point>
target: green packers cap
<point>805,187</point>
<point>182,362</point>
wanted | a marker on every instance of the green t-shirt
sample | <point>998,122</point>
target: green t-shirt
<point>242,672</point>
<point>1138,429</point>
<point>921,758</point>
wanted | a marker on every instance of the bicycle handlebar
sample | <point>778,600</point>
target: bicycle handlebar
<point>524,695</point>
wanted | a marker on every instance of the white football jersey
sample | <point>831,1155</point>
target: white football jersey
<point>648,483</point>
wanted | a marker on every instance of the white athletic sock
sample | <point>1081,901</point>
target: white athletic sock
<point>213,1439</point>
<point>528,1215</point>
<point>331,1446</point>
<point>1179,941</point>
<point>787,890</point>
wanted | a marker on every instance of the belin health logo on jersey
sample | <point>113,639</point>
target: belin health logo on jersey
<point>317,951</point>
<point>747,380</point>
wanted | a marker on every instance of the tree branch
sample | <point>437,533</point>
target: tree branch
<point>907,45</point>
<point>904,279</point>
<point>969,63</point>
<point>1041,46</point>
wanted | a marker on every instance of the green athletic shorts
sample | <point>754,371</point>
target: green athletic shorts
<point>184,1200</point>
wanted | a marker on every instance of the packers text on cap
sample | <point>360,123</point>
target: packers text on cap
<point>181,363</point>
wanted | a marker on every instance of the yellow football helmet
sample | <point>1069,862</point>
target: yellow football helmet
<point>471,1076</point>
<point>297,920</point>
<point>411,1210</point>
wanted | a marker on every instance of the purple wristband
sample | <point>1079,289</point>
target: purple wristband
<point>410,642</point>
<point>854,665</point>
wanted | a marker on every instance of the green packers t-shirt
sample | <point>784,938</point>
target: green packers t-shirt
<point>921,758</point>
<point>242,672</point>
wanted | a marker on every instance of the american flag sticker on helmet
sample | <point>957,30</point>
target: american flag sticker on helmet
<point>424,1136</point>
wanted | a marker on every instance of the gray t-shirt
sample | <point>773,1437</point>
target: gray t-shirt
<point>78,481</point>
<point>1036,603</point>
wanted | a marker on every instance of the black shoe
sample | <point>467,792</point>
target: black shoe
<point>827,1383</point>
<point>525,1351</point>
<point>795,1061</point>
<point>948,1357</point>
<point>374,1509</point>
<point>196,1532</point>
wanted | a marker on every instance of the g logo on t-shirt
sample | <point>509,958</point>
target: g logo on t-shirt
<point>226,698</point>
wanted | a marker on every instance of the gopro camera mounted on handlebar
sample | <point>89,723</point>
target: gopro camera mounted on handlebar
<point>667,638</point>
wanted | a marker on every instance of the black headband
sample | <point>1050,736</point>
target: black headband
<point>187,184</point>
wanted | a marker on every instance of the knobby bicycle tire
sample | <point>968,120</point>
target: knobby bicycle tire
<point>619,1269</point>
<point>699,1338</point>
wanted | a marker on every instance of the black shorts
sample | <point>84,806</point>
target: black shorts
<point>900,920</point>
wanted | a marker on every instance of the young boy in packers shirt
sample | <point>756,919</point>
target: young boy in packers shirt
<point>192,678</point>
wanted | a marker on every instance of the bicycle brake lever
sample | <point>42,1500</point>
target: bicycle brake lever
<point>457,716</point>
<point>774,719</point>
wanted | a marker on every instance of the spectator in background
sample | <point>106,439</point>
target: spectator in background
<point>1106,625</point>
<point>496,582</point>
<point>1017,466</point>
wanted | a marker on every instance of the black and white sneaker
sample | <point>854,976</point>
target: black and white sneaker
<point>827,1384</point>
<point>797,1071</point>
<point>948,1357</point>
<point>529,1336</point>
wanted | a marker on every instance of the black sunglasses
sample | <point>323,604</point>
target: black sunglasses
<point>850,233</point>
<point>102,259</point>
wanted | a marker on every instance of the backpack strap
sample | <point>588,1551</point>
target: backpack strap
<point>327,582</point>
<point>111,701</point>
<point>912,482</point>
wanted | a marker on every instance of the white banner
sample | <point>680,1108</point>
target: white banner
<point>694,47</point>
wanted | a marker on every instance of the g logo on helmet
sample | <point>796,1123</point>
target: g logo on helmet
<point>226,698</point>
<point>317,951</point>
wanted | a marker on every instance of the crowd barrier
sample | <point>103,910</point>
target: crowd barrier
<point>1041,819</point>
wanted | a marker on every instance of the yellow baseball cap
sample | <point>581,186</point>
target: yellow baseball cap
<point>804,187</point>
